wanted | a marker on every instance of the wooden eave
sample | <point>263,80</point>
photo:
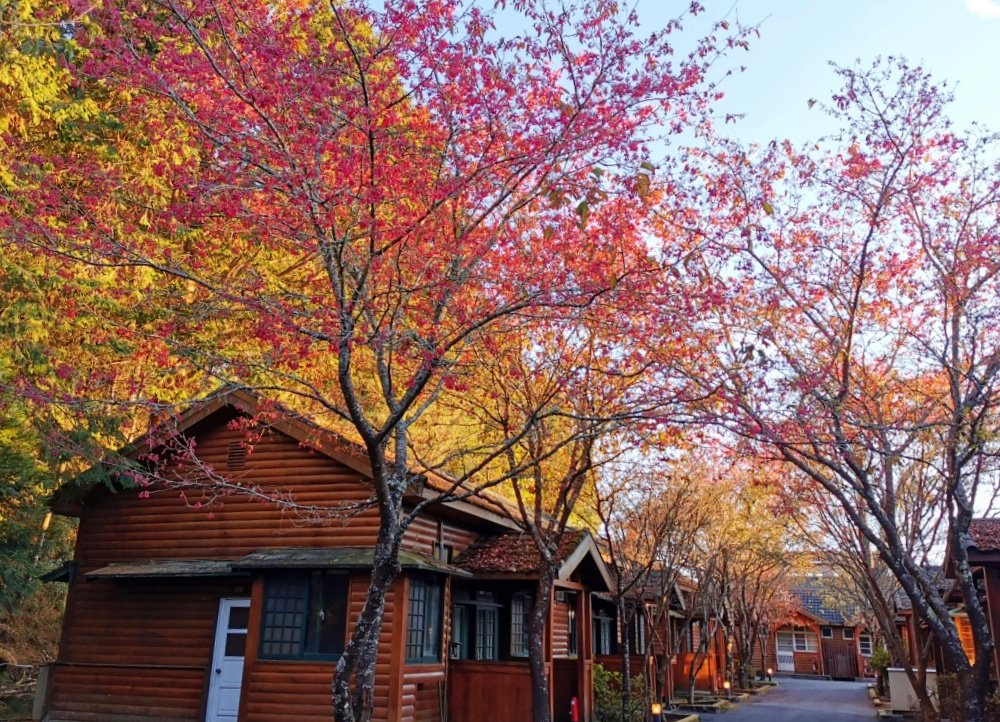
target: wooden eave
<point>462,508</point>
<point>268,559</point>
<point>339,558</point>
<point>822,621</point>
<point>587,548</point>
<point>165,568</point>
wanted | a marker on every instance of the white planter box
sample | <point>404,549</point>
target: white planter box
<point>901,694</point>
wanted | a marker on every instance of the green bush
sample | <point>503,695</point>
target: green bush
<point>608,697</point>
<point>880,662</point>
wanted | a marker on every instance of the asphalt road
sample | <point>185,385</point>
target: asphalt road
<point>802,700</point>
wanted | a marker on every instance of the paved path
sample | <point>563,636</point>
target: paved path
<point>804,700</point>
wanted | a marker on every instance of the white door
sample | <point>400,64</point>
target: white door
<point>227,660</point>
<point>785,643</point>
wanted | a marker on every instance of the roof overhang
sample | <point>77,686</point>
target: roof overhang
<point>165,569</point>
<point>338,558</point>
<point>267,559</point>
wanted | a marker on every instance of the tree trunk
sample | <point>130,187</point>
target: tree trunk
<point>540,697</point>
<point>973,696</point>
<point>358,661</point>
<point>699,659</point>
<point>626,652</point>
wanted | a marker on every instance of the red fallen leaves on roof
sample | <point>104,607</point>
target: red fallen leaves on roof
<point>512,553</point>
<point>985,534</point>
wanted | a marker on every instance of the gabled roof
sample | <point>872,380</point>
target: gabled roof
<point>816,601</point>
<point>514,555</point>
<point>293,424</point>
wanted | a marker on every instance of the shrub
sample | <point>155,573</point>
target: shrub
<point>608,697</point>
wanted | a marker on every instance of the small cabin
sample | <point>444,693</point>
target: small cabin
<point>187,606</point>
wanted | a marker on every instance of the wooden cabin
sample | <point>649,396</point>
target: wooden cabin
<point>662,621</point>
<point>185,605</point>
<point>984,559</point>
<point>820,637</point>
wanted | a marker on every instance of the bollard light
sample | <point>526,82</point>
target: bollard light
<point>657,711</point>
<point>728,687</point>
<point>769,673</point>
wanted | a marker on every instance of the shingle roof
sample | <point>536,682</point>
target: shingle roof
<point>985,534</point>
<point>813,600</point>
<point>511,553</point>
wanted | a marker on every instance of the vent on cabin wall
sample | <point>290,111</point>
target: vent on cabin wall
<point>237,458</point>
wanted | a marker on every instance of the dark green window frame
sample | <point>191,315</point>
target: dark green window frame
<point>424,620</point>
<point>305,615</point>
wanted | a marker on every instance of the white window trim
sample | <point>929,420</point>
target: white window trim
<point>806,642</point>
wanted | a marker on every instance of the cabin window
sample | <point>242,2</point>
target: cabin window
<point>305,616</point>
<point>805,642</point>
<point>459,648</point>
<point>486,633</point>
<point>865,644</point>
<point>571,640</point>
<point>423,627</point>
<point>520,623</point>
<point>602,634</point>
<point>827,633</point>
<point>639,631</point>
<point>848,633</point>
<point>964,628</point>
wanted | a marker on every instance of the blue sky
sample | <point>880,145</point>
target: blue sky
<point>956,40</point>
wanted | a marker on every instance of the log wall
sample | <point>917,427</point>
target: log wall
<point>140,650</point>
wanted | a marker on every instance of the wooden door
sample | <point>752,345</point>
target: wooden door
<point>785,650</point>
<point>840,658</point>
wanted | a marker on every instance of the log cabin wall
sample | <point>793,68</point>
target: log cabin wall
<point>292,690</point>
<point>560,627</point>
<point>116,629</point>
<point>139,650</point>
<point>426,532</point>
<point>423,686</point>
<point>120,527</point>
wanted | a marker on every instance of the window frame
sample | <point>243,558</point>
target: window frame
<point>520,639</point>
<point>479,649</point>
<point>847,633</point>
<point>306,593</point>
<point>572,633</point>
<point>431,594</point>
<point>866,639</point>
<point>603,623</point>
<point>638,639</point>
<point>806,637</point>
<point>826,632</point>
<point>458,645</point>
